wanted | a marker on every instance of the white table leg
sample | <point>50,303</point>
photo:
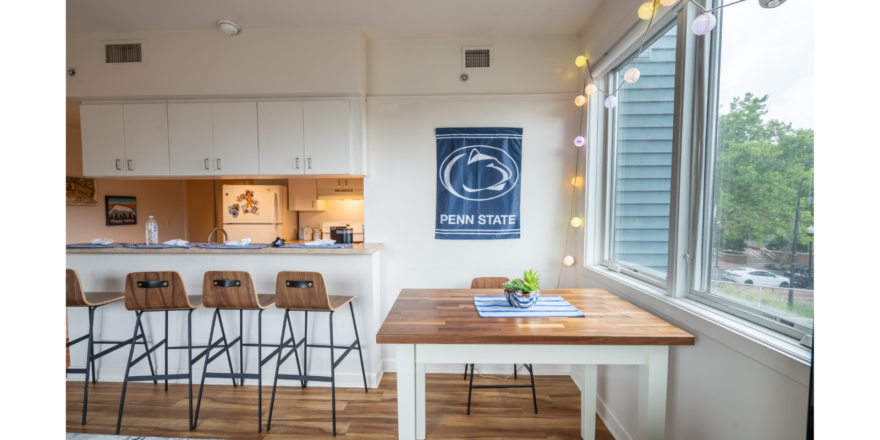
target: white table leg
<point>406,391</point>
<point>420,401</point>
<point>588,401</point>
<point>652,393</point>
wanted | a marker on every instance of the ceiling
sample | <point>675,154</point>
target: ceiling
<point>378,19</point>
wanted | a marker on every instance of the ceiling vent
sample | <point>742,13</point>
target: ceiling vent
<point>128,52</point>
<point>476,57</point>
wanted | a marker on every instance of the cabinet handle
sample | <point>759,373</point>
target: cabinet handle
<point>218,164</point>
<point>129,165</point>
<point>310,163</point>
<point>297,163</point>
<point>313,203</point>
<point>206,164</point>
<point>338,182</point>
<point>346,182</point>
<point>117,164</point>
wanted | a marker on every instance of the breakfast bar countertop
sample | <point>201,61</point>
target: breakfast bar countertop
<point>355,249</point>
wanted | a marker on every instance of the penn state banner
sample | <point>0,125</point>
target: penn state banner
<point>478,183</point>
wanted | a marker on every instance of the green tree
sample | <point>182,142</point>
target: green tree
<point>759,165</point>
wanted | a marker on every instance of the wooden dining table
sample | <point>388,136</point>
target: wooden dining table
<point>442,326</point>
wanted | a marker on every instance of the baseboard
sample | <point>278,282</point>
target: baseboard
<point>390,365</point>
<point>602,410</point>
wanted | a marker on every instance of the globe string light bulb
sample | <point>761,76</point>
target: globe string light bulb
<point>703,24</point>
<point>576,222</point>
<point>646,11</point>
<point>611,101</point>
<point>632,75</point>
<point>668,2</point>
<point>580,61</point>
<point>577,181</point>
<point>579,141</point>
<point>568,260</point>
<point>580,100</point>
<point>590,89</point>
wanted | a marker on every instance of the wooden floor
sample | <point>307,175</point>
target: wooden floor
<point>230,413</point>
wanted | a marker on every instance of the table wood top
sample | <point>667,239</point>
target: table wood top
<point>449,316</point>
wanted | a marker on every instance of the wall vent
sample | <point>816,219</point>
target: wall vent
<point>476,57</point>
<point>122,53</point>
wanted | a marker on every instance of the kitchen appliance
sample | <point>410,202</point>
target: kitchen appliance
<point>357,229</point>
<point>341,234</point>
<point>253,211</point>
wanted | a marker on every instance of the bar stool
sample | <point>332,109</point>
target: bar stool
<point>234,290</point>
<point>488,283</point>
<point>306,292</point>
<point>160,292</point>
<point>77,297</point>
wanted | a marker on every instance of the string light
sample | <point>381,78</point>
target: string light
<point>611,101</point>
<point>568,260</point>
<point>576,222</point>
<point>632,75</point>
<point>579,141</point>
<point>580,61</point>
<point>580,100</point>
<point>704,23</point>
<point>590,89</point>
<point>668,2</point>
<point>646,11</point>
<point>577,181</point>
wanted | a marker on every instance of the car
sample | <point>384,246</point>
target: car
<point>803,277</point>
<point>757,277</point>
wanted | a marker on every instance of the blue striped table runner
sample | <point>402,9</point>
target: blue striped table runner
<point>546,307</point>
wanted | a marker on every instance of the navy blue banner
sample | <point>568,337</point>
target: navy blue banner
<point>478,183</point>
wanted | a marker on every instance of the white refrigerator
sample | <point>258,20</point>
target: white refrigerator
<point>253,211</point>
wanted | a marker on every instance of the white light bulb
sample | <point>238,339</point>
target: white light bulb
<point>668,2</point>
<point>632,75</point>
<point>590,89</point>
<point>576,222</point>
<point>579,141</point>
<point>611,101</point>
<point>580,100</point>
<point>568,260</point>
<point>703,24</point>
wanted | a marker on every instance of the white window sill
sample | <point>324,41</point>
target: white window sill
<point>776,351</point>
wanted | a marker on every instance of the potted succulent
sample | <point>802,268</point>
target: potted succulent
<point>523,292</point>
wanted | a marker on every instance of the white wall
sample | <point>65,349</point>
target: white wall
<point>210,64</point>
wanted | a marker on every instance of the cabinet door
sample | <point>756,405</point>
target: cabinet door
<point>331,183</point>
<point>191,139</point>
<point>146,139</point>
<point>327,137</point>
<point>103,140</point>
<point>303,195</point>
<point>353,183</point>
<point>281,137</point>
<point>235,138</point>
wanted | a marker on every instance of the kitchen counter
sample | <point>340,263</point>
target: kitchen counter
<point>355,249</point>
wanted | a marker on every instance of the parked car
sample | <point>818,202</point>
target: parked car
<point>803,277</point>
<point>746,275</point>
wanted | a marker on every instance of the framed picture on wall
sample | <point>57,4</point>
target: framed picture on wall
<point>120,210</point>
<point>81,192</point>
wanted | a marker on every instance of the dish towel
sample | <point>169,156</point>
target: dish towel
<point>323,246</point>
<point>242,242</point>
<point>177,242</point>
<point>94,246</point>
<point>102,241</point>
<point>319,242</point>
<point>546,307</point>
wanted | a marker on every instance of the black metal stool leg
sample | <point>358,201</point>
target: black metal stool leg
<point>91,326</point>
<point>146,347</point>
<point>90,362</point>
<point>127,370</point>
<point>470,389</point>
<point>295,352</point>
<point>465,372</point>
<point>332,375</point>
<point>534,396</point>
<point>514,371</point>
<point>277,366</point>
<point>226,344</point>
<point>259,371</point>
<point>205,368</point>
<point>306,349</point>
<point>189,348</point>
<point>166,350</point>
<point>241,346</point>
<point>360,351</point>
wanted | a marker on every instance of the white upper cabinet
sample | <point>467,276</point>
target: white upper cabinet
<point>146,139</point>
<point>103,140</point>
<point>281,138</point>
<point>236,149</point>
<point>191,139</point>
<point>327,137</point>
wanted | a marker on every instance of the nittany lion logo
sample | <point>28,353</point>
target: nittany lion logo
<point>479,172</point>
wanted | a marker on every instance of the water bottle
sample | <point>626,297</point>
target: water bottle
<point>152,231</point>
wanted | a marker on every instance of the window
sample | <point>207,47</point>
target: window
<point>642,161</point>
<point>761,198</point>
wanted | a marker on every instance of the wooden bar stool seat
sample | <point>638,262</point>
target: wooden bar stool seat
<point>496,283</point>
<point>159,292</point>
<point>235,290</point>
<point>307,292</point>
<point>78,297</point>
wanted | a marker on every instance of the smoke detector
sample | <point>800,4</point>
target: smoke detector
<point>228,27</point>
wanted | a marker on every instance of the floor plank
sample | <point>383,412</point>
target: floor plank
<point>230,413</point>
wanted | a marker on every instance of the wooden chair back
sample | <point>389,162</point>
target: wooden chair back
<point>76,297</point>
<point>155,291</point>
<point>230,289</point>
<point>488,283</point>
<point>301,290</point>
